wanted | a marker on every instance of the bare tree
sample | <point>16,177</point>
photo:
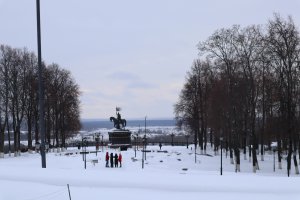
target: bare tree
<point>18,100</point>
<point>284,45</point>
<point>248,45</point>
<point>220,47</point>
<point>187,109</point>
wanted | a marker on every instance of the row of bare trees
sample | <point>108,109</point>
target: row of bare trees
<point>19,101</point>
<point>245,89</point>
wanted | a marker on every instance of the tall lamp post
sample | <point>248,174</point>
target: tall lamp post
<point>145,136</point>
<point>145,124</point>
<point>102,143</point>
<point>41,86</point>
<point>172,137</point>
<point>97,138</point>
<point>143,151</point>
<point>274,161</point>
<point>195,148</point>
<point>221,141</point>
<point>84,145</point>
<point>274,151</point>
<point>135,137</point>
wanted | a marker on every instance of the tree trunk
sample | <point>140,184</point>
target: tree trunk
<point>15,139</point>
<point>19,139</point>
<point>36,135</point>
<point>250,150</point>
<point>279,154</point>
<point>254,161</point>
<point>211,137</point>
<point>201,139</point>
<point>263,115</point>
<point>2,138</point>
<point>231,155</point>
<point>237,160</point>
<point>262,149</point>
<point>289,158</point>
<point>205,139</point>
<point>245,147</point>
<point>299,146</point>
<point>9,138</point>
<point>29,138</point>
<point>295,158</point>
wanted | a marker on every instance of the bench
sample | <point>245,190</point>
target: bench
<point>147,151</point>
<point>94,161</point>
<point>160,151</point>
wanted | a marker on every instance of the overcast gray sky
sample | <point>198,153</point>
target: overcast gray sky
<point>129,53</point>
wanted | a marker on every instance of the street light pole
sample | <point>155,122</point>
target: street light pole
<point>187,141</point>
<point>85,156</point>
<point>145,124</point>
<point>102,143</point>
<point>84,144</point>
<point>195,150</point>
<point>143,154</point>
<point>145,138</point>
<point>41,87</point>
<point>145,146</point>
<point>135,146</point>
<point>137,137</point>
<point>221,140</point>
<point>274,160</point>
<point>172,137</point>
<point>97,138</point>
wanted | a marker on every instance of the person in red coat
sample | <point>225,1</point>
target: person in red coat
<point>120,159</point>
<point>106,159</point>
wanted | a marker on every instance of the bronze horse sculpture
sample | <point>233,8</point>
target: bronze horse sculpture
<point>117,122</point>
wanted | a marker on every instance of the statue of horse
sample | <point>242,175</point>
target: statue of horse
<point>118,122</point>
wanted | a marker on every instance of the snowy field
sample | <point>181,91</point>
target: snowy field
<point>163,177</point>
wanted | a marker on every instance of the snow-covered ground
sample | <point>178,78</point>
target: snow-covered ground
<point>172,175</point>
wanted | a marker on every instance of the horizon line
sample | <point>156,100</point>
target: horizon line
<point>133,118</point>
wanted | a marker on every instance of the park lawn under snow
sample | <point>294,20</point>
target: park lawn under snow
<point>163,177</point>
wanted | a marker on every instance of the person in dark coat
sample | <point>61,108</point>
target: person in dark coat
<point>116,160</point>
<point>111,158</point>
<point>106,159</point>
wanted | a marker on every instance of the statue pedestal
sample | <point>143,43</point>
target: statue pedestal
<point>120,139</point>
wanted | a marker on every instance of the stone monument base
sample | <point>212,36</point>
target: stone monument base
<point>119,139</point>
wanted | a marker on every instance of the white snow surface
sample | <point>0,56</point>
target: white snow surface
<point>163,177</point>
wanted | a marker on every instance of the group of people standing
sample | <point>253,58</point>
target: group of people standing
<point>114,159</point>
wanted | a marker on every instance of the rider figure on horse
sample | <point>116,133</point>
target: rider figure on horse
<point>119,117</point>
<point>118,122</point>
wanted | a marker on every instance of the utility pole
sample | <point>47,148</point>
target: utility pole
<point>145,138</point>
<point>69,191</point>
<point>41,87</point>
<point>143,154</point>
<point>135,146</point>
<point>221,170</point>
<point>102,142</point>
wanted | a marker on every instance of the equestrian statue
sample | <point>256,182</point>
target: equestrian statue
<point>119,123</point>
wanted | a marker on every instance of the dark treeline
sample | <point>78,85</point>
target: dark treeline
<point>19,100</point>
<point>245,89</point>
